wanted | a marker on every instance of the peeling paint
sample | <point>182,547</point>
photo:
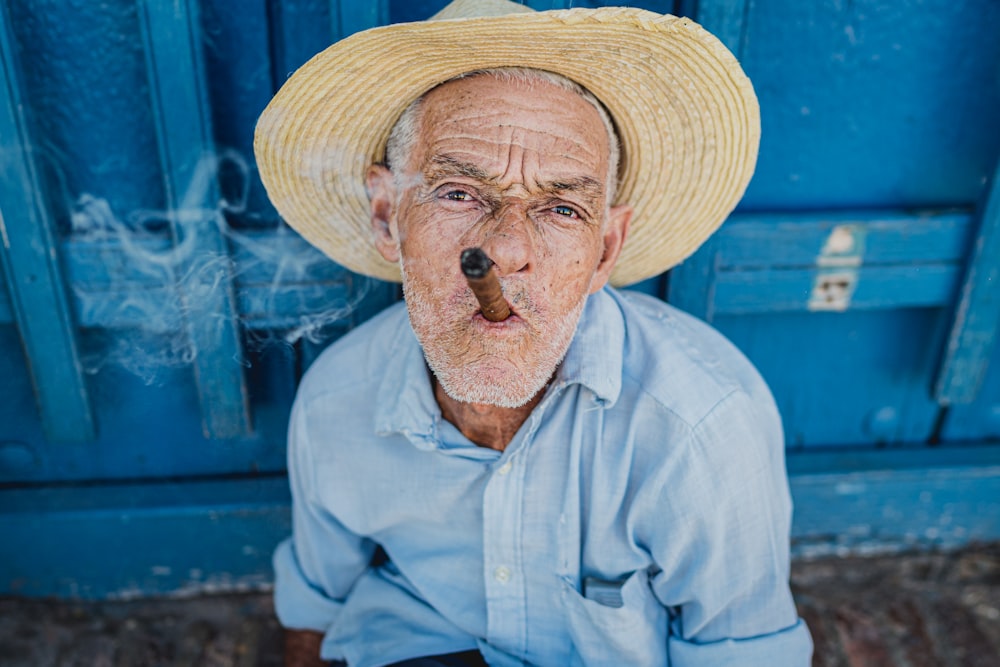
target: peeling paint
<point>849,488</point>
<point>838,266</point>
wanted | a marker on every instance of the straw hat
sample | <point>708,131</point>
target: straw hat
<point>686,115</point>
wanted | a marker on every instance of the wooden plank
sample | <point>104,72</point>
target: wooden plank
<point>351,17</point>
<point>863,288</point>
<point>6,313</point>
<point>280,256</point>
<point>977,315</point>
<point>142,539</point>
<point>172,40</point>
<point>691,285</point>
<point>726,19</point>
<point>841,379</point>
<point>760,263</point>
<point>790,240</point>
<point>298,31</point>
<point>980,419</point>
<point>545,5</point>
<point>261,257</point>
<point>37,299</point>
<point>891,500</point>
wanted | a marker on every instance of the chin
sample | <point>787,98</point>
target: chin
<point>488,384</point>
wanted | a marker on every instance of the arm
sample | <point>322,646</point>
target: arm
<point>732,516</point>
<point>315,568</point>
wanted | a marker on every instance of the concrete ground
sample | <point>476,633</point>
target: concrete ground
<point>915,610</point>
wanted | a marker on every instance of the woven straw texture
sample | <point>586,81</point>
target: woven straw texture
<point>686,114</point>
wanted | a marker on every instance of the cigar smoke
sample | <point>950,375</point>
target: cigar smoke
<point>483,281</point>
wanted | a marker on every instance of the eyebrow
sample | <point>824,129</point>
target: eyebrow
<point>446,165</point>
<point>584,185</point>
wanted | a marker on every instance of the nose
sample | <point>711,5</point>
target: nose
<point>509,241</point>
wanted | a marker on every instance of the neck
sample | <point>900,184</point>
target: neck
<point>486,425</point>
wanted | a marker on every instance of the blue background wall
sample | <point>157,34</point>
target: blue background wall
<point>155,313</point>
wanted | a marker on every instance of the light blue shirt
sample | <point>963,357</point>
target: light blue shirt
<point>653,468</point>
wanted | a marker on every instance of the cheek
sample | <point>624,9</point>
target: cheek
<point>574,255</point>
<point>432,259</point>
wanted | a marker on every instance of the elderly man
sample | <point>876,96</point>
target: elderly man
<point>595,479</point>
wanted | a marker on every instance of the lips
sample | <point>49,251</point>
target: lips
<point>511,319</point>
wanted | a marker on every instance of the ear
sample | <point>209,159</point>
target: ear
<point>382,197</point>
<point>615,231</point>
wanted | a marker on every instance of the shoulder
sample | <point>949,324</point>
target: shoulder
<point>338,395</point>
<point>707,433</point>
<point>685,366</point>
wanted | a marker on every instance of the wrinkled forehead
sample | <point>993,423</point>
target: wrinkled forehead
<point>507,113</point>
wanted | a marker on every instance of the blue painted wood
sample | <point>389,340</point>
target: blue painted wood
<point>893,500</point>
<point>299,30</point>
<point>726,19</point>
<point>417,10</point>
<point>6,314</point>
<point>853,97</point>
<point>797,240</point>
<point>173,47</point>
<point>545,5</point>
<point>352,17</point>
<point>979,419</point>
<point>37,297</point>
<point>281,282</point>
<point>142,539</point>
<point>846,379</point>
<point>84,77</point>
<point>148,409</point>
<point>237,47</point>
<point>839,261</point>
<point>977,315</point>
<point>867,288</point>
<point>691,285</point>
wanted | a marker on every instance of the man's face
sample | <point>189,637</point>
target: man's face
<point>520,171</point>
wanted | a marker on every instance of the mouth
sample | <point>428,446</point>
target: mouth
<point>485,285</point>
<point>512,319</point>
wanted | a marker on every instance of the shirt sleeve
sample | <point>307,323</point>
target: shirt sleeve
<point>317,566</point>
<point>724,552</point>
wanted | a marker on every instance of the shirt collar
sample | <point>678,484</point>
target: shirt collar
<point>406,402</point>
<point>594,358</point>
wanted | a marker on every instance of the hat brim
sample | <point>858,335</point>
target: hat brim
<point>686,114</point>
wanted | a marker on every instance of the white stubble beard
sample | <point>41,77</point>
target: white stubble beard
<point>503,373</point>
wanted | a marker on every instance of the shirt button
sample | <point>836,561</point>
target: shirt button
<point>505,468</point>
<point>501,574</point>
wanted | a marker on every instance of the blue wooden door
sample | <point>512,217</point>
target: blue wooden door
<point>156,315</point>
<point>840,272</point>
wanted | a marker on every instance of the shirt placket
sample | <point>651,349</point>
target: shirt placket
<point>503,557</point>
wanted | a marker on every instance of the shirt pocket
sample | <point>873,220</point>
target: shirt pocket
<point>634,634</point>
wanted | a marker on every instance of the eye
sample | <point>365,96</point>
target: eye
<point>457,195</point>
<point>565,211</point>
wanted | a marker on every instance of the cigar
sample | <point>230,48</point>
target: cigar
<point>483,281</point>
